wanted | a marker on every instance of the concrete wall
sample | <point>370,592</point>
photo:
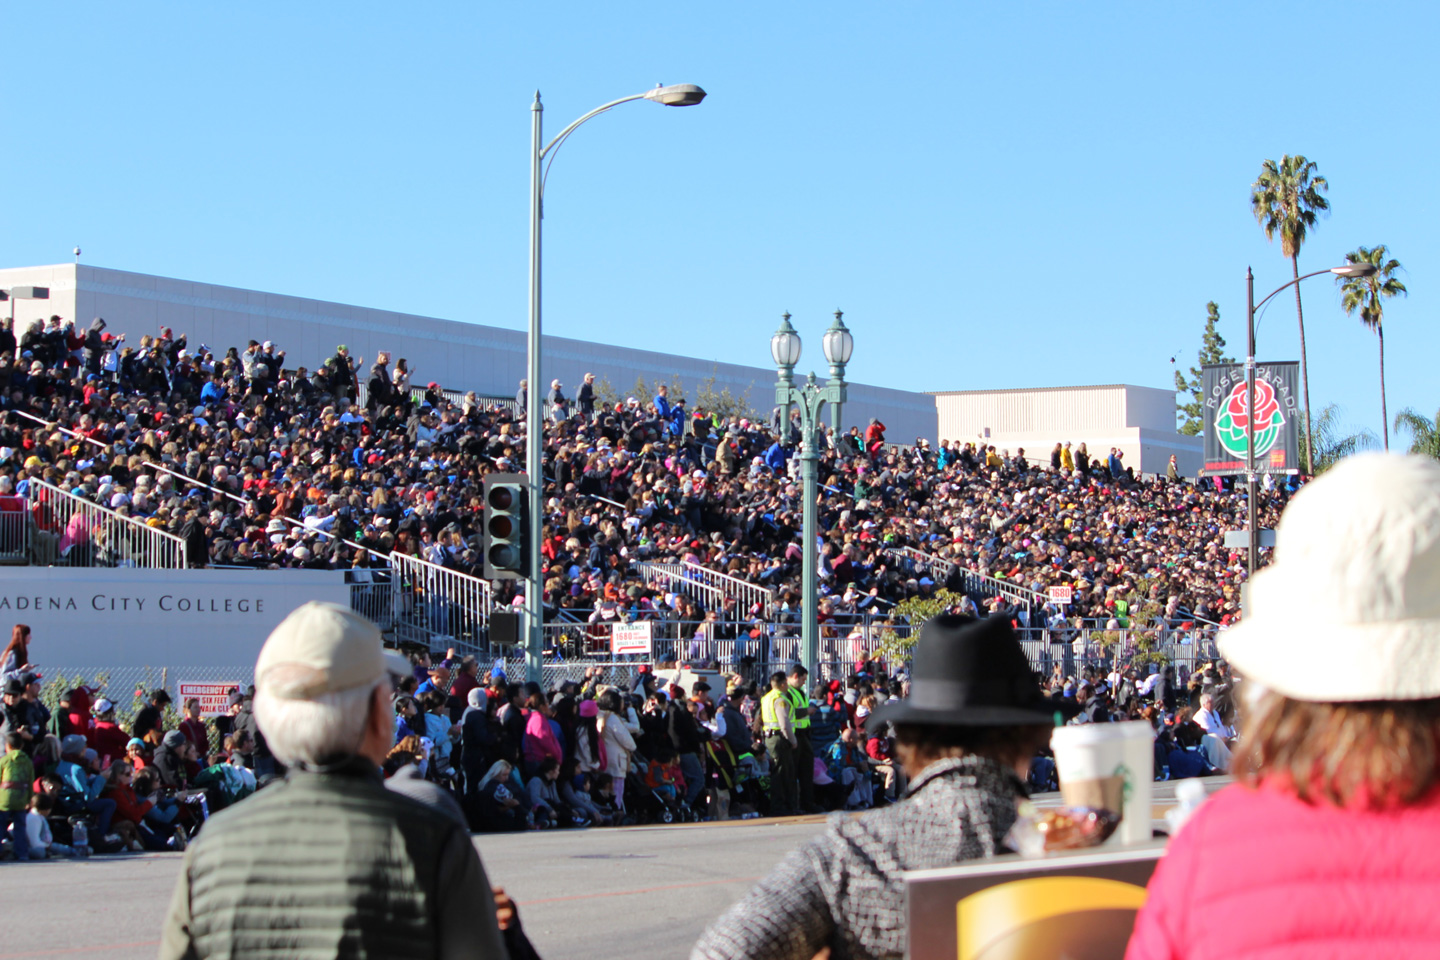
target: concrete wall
<point>1138,420</point>
<point>116,617</point>
<point>459,356</point>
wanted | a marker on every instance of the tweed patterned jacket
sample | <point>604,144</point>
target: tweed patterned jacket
<point>844,890</point>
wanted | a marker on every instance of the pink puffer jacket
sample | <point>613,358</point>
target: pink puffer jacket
<point>1259,874</point>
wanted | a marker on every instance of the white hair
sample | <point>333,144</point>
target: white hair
<point>317,730</point>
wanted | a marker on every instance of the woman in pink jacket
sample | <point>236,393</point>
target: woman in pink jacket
<point>539,742</point>
<point>1327,847</point>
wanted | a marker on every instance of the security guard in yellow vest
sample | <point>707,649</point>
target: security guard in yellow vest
<point>804,751</point>
<point>778,724</point>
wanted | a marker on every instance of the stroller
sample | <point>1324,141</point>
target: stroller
<point>650,803</point>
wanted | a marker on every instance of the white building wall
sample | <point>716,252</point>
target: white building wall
<point>1138,420</point>
<point>459,356</point>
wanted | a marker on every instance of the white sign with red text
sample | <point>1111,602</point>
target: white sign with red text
<point>214,697</point>
<point>628,638</point>
<point>1062,595</point>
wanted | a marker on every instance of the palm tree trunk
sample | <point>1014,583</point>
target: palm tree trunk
<point>1384,413</point>
<point>1304,371</point>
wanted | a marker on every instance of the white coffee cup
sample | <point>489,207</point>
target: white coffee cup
<point>1110,766</point>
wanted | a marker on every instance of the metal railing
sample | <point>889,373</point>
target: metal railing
<point>437,607</point>
<point>372,593</point>
<point>975,584</point>
<point>748,594</point>
<point>675,576</point>
<point>16,531</point>
<point>78,533</point>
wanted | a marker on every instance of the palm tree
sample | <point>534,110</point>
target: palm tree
<point>1424,432</point>
<point>1367,295</point>
<point>1334,441</point>
<point>1285,199</point>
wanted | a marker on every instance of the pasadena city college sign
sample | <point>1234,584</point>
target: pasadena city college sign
<point>108,617</point>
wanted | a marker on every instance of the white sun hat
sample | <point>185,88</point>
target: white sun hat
<point>1350,609</point>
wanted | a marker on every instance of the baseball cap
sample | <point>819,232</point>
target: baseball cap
<point>103,706</point>
<point>341,648</point>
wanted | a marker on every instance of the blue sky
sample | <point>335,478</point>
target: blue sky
<point>998,196</point>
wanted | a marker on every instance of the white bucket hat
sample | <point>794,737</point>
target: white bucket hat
<point>1350,609</point>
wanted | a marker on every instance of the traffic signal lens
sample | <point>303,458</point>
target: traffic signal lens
<point>505,556</point>
<point>502,526</point>
<point>502,498</point>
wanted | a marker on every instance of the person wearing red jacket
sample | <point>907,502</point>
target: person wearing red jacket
<point>1326,845</point>
<point>193,726</point>
<point>105,736</point>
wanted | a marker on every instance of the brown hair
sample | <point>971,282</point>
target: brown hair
<point>20,644</point>
<point>1371,754</point>
<point>919,745</point>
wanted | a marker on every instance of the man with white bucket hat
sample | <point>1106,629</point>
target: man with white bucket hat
<point>329,863</point>
<point>1327,845</point>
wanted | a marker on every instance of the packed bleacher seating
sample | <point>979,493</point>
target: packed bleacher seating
<point>257,464</point>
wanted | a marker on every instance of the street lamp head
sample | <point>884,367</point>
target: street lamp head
<point>785,345</point>
<point>838,344</point>
<point>1356,270</point>
<point>676,95</point>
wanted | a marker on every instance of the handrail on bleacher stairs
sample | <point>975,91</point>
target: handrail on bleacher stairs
<point>976,584</point>
<point>66,530</point>
<point>711,587</point>
<point>435,606</point>
<point>674,577</point>
<point>746,593</point>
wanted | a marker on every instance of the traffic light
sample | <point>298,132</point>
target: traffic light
<point>506,529</point>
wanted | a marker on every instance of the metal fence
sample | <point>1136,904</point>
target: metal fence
<point>675,576</point>
<point>15,531</point>
<point>437,607</point>
<point>71,531</point>
<point>977,585</point>
<point>748,594</point>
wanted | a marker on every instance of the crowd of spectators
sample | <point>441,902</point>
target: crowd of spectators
<point>80,775</point>
<point>269,465</point>
<point>506,756</point>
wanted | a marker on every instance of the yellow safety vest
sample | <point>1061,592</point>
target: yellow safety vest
<point>800,707</point>
<point>769,703</point>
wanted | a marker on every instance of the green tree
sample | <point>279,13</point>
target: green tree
<point>1212,350</point>
<point>1286,199</point>
<point>1424,432</point>
<point>1333,440</point>
<point>606,395</point>
<point>897,646</point>
<point>723,403</point>
<point>1366,296</point>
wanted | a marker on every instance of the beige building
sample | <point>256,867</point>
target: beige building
<point>488,359</point>
<point>1140,421</point>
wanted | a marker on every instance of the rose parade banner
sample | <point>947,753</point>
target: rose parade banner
<point>1277,418</point>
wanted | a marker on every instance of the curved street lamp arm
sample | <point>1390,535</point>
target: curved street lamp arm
<point>1290,284</point>
<point>553,147</point>
<point>593,113</point>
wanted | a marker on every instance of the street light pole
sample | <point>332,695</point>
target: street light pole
<point>1251,511</point>
<point>675,95</point>
<point>534,421</point>
<point>810,399</point>
<point>1252,508</point>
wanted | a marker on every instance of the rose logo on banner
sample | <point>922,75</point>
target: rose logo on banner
<point>1231,424</point>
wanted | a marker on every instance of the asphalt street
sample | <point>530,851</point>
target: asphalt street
<point>601,894</point>
<point>592,894</point>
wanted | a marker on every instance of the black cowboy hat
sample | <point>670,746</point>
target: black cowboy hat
<point>970,673</point>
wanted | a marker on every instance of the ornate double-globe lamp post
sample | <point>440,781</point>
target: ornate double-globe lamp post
<point>810,399</point>
<point>1251,510</point>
